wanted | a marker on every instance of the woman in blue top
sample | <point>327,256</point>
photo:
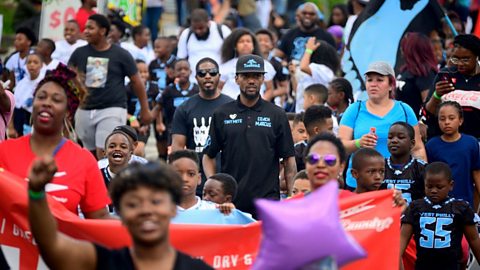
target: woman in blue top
<point>366,123</point>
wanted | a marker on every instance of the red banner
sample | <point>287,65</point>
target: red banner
<point>369,217</point>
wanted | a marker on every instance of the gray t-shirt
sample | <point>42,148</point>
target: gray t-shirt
<point>105,73</point>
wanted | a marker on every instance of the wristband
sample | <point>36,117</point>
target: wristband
<point>309,51</point>
<point>357,143</point>
<point>435,95</point>
<point>132,118</point>
<point>36,195</point>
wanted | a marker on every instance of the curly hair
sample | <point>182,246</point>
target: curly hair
<point>67,79</point>
<point>229,46</point>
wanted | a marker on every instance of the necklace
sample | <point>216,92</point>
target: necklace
<point>396,171</point>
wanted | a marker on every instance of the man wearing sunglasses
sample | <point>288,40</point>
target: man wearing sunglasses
<point>191,121</point>
<point>253,135</point>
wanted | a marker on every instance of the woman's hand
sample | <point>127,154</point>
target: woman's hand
<point>41,173</point>
<point>368,140</point>
<point>226,208</point>
<point>312,44</point>
<point>443,88</point>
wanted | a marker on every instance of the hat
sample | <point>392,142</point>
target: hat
<point>250,64</point>
<point>128,130</point>
<point>380,67</point>
<point>364,2</point>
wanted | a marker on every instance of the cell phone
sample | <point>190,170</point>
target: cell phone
<point>446,76</point>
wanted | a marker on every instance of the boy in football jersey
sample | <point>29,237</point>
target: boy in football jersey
<point>438,223</point>
<point>402,171</point>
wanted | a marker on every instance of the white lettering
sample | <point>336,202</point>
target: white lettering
<point>226,261</point>
<point>376,224</point>
<point>356,209</point>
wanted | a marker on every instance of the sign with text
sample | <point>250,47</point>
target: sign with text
<point>368,217</point>
<point>54,15</point>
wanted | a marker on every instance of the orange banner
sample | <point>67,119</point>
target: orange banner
<point>369,218</point>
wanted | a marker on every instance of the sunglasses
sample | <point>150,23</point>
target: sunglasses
<point>203,72</point>
<point>330,160</point>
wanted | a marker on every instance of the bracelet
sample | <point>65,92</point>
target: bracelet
<point>357,143</point>
<point>36,195</point>
<point>435,95</point>
<point>132,118</point>
<point>309,51</point>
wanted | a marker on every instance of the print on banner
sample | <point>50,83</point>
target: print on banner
<point>200,132</point>
<point>97,71</point>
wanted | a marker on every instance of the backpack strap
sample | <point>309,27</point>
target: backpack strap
<point>404,112</point>
<point>219,28</point>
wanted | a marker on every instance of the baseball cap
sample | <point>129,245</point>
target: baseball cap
<point>127,130</point>
<point>380,67</point>
<point>250,63</point>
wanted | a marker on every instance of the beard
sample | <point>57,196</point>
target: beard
<point>203,36</point>
<point>308,26</point>
<point>250,96</point>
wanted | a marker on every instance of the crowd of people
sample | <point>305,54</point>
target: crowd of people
<point>240,109</point>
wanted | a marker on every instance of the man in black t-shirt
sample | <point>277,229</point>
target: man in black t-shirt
<point>292,44</point>
<point>192,120</point>
<point>105,67</point>
<point>253,136</point>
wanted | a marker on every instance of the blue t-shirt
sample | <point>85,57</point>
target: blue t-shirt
<point>361,120</point>
<point>463,158</point>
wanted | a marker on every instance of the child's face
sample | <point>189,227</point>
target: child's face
<point>143,71</point>
<point>161,47</point>
<point>213,191</point>
<point>21,42</point>
<point>118,150</point>
<point>437,187</point>
<point>182,71</point>
<point>449,120</point>
<point>299,133</point>
<point>42,49</point>
<point>334,97</point>
<point>399,143</point>
<point>371,174</point>
<point>188,170</point>
<point>34,65</point>
<point>265,43</point>
<point>71,32</point>
<point>301,186</point>
<point>307,101</point>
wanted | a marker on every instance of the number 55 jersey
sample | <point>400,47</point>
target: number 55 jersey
<point>438,231</point>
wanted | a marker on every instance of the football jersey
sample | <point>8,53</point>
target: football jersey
<point>409,178</point>
<point>438,231</point>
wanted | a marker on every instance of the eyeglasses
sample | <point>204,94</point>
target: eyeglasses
<point>330,160</point>
<point>203,72</point>
<point>457,61</point>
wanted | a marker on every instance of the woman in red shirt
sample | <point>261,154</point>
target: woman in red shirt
<point>78,183</point>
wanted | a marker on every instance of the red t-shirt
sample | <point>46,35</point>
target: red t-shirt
<point>82,17</point>
<point>77,182</point>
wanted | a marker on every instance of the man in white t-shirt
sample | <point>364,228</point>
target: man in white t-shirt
<point>139,49</point>
<point>204,38</point>
<point>65,47</point>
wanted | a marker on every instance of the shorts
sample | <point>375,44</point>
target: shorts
<point>93,126</point>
